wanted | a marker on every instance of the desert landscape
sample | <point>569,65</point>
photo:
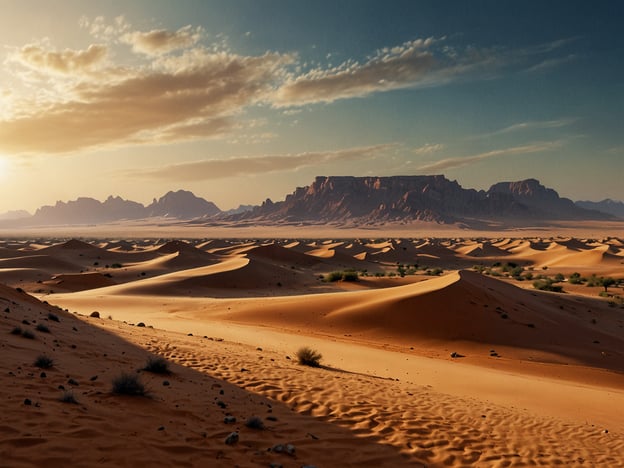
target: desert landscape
<point>436,351</point>
<point>242,233</point>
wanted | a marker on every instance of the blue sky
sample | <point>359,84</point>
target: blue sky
<point>243,100</point>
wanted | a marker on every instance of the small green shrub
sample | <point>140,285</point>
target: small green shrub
<point>309,357</point>
<point>547,284</point>
<point>128,384</point>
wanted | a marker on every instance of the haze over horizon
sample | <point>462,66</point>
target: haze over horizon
<point>238,101</point>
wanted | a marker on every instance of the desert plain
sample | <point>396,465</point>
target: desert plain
<point>437,350</point>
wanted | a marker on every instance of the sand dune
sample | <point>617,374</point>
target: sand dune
<point>463,369</point>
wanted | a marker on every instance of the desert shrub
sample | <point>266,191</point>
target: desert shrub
<point>349,275</point>
<point>575,278</point>
<point>157,365</point>
<point>559,278</point>
<point>44,362</point>
<point>42,328</point>
<point>547,284</point>
<point>334,276</point>
<point>28,334</point>
<point>516,271</point>
<point>116,265</point>
<point>435,272</point>
<point>309,357</point>
<point>53,317</point>
<point>128,384</point>
<point>16,331</point>
<point>346,275</point>
<point>68,397</point>
<point>254,423</point>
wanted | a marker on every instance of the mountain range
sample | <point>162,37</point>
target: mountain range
<point>345,199</point>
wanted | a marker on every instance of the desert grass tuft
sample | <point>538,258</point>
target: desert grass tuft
<point>44,362</point>
<point>309,357</point>
<point>128,384</point>
<point>68,397</point>
<point>157,365</point>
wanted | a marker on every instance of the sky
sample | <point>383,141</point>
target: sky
<point>243,100</point>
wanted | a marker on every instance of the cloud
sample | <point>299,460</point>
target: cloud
<point>161,41</point>
<point>428,148</point>
<point>453,163</point>
<point>177,98</point>
<point>397,67</point>
<point>530,125</point>
<point>241,166</point>
<point>63,62</point>
<point>414,64</point>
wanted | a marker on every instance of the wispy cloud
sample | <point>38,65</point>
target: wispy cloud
<point>530,125</point>
<point>453,163</point>
<point>428,148</point>
<point>161,41</point>
<point>240,166</point>
<point>64,62</point>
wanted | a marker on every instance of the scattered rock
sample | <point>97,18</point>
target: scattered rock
<point>232,438</point>
<point>276,465</point>
<point>94,378</point>
<point>229,420</point>
<point>43,375</point>
<point>221,404</point>
<point>161,428</point>
<point>166,383</point>
<point>72,382</point>
<point>27,401</point>
<point>95,314</point>
<point>140,324</point>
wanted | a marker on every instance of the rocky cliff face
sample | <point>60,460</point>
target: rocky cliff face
<point>615,208</point>
<point>422,198</point>
<point>183,205</point>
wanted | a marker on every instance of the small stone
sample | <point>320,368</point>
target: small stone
<point>95,314</point>
<point>258,349</point>
<point>229,420</point>
<point>244,370</point>
<point>27,401</point>
<point>290,449</point>
<point>72,382</point>
<point>43,375</point>
<point>232,438</point>
<point>271,418</point>
<point>606,431</point>
<point>221,392</point>
<point>454,354</point>
<point>94,378</point>
<point>221,404</point>
<point>140,324</point>
<point>161,428</point>
<point>276,465</point>
<point>278,448</point>
<point>166,383</point>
